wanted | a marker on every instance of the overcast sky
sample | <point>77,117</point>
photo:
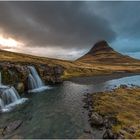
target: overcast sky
<point>67,30</point>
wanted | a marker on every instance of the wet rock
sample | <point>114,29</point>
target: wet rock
<point>12,127</point>
<point>108,134</point>
<point>107,123</point>
<point>1,132</point>
<point>86,106</point>
<point>58,70</point>
<point>130,130</point>
<point>16,74</point>
<point>87,131</point>
<point>123,86</point>
<point>20,87</point>
<point>96,119</point>
<point>120,136</point>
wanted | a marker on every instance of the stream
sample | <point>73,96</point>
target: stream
<point>58,111</point>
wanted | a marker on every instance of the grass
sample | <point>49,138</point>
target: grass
<point>72,68</point>
<point>124,105</point>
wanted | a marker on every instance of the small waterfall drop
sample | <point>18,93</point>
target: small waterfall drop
<point>0,78</point>
<point>9,97</point>
<point>35,83</point>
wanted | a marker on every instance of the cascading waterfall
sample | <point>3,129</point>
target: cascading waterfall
<point>35,83</point>
<point>0,78</point>
<point>9,97</point>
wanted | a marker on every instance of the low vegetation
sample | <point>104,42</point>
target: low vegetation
<point>71,68</point>
<point>124,105</point>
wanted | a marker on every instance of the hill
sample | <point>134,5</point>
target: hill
<point>101,52</point>
<point>101,59</point>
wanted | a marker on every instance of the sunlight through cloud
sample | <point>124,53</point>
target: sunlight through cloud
<point>10,42</point>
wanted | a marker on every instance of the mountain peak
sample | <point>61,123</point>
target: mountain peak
<point>100,46</point>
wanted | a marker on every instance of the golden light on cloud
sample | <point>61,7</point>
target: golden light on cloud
<point>10,42</point>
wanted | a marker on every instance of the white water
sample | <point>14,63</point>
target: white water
<point>0,78</point>
<point>34,81</point>
<point>9,97</point>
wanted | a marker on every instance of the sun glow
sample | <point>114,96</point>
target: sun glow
<point>10,42</point>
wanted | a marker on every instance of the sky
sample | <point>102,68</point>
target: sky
<point>68,29</point>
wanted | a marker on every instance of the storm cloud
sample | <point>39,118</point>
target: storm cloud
<point>73,26</point>
<point>65,24</point>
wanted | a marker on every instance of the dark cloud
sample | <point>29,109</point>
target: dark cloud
<point>59,26</point>
<point>124,18</point>
<point>65,24</point>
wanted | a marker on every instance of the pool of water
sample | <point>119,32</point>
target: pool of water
<point>58,112</point>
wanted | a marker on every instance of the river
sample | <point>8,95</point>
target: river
<point>58,112</point>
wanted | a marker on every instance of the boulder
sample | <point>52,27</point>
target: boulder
<point>12,127</point>
<point>108,134</point>
<point>20,87</point>
<point>123,86</point>
<point>96,119</point>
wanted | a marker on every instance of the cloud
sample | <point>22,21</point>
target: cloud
<point>70,26</point>
<point>62,24</point>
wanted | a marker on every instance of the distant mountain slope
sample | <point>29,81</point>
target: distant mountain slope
<point>70,68</point>
<point>101,59</point>
<point>101,52</point>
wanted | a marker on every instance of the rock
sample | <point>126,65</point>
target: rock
<point>120,136</point>
<point>86,106</point>
<point>58,70</point>
<point>130,130</point>
<point>108,134</point>
<point>20,87</point>
<point>87,131</point>
<point>96,119</point>
<point>107,123</point>
<point>123,86</point>
<point>12,127</point>
<point>1,131</point>
<point>16,74</point>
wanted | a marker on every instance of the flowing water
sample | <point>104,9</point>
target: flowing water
<point>9,97</point>
<point>58,112</point>
<point>35,83</point>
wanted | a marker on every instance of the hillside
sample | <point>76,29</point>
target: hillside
<point>101,52</point>
<point>101,59</point>
<point>70,68</point>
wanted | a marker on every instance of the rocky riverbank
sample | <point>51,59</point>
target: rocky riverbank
<point>16,74</point>
<point>115,112</point>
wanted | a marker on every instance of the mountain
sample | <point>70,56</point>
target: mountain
<point>101,59</point>
<point>101,52</point>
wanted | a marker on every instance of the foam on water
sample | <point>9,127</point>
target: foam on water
<point>35,82</point>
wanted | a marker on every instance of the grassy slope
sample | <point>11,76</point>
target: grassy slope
<point>124,105</point>
<point>72,68</point>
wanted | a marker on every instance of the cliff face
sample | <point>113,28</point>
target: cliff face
<point>17,74</point>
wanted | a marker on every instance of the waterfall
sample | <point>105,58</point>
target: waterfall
<point>0,78</point>
<point>35,79</point>
<point>9,97</point>
<point>35,83</point>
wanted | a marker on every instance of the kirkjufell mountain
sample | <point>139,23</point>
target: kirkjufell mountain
<point>101,59</point>
<point>101,52</point>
